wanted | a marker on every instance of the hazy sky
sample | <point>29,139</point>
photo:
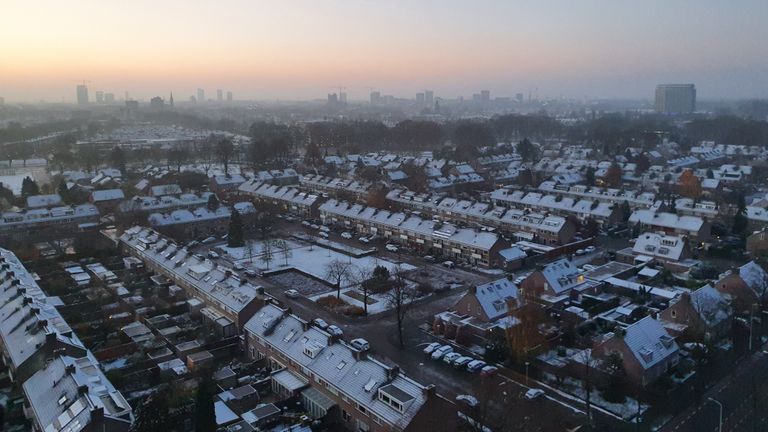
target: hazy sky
<point>294,49</point>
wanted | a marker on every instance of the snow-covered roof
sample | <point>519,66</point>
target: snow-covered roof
<point>168,189</point>
<point>562,275</point>
<point>359,378</point>
<point>710,304</point>
<point>649,342</point>
<point>38,201</point>
<point>690,224</point>
<point>65,393</point>
<point>107,195</point>
<point>494,297</point>
<point>660,246</point>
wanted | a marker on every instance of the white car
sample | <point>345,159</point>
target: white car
<point>324,228</point>
<point>392,248</point>
<point>462,361</point>
<point>476,365</point>
<point>440,352</point>
<point>450,357</point>
<point>323,234</point>
<point>590,249</point>
<point>238,267</point>
<point>346,235</point>
<point>580,252</point>
<point>364,239</point>
<point>534,394</point>
<point>314,226</point>
<point>360,344</point>
<point>319,322</point>
<point>449,264</point>
<point>213,255</point>
<point>335,330</point>
<point>429,349</point>
<point>306,223</point>
<point>589,267</point>
<point>467,399</point>
<point>292,293</point>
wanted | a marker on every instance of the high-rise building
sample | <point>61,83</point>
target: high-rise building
<point>2,101</point>
<point>220,95</point>
<point>333,99</point>
<point>519,97</point>
<point>99,96</point>
<point>229,96</point>
<point>170,101</point>
<point>675,98</point>
<point>420,98</point>
<point>343,97</point>
<point>375,98</point>
<point>82,94</point>
<point>109,98</point>
<point>429,97</point>
<point>485,96</point>
<point>200,95</point>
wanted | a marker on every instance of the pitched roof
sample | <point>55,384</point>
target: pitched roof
<point>493,297</point>
<point>649,342</point>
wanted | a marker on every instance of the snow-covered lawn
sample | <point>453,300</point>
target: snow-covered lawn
<point>311,260</point>
<point>626,410</point>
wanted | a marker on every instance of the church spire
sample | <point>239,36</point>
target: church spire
<point>171,100</point>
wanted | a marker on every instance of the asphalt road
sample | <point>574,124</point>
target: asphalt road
<point>743,395</point>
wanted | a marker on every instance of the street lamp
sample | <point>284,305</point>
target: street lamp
<point>720,423</point>
<point>526,372</point>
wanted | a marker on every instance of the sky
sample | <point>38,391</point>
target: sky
<point>302,49</point>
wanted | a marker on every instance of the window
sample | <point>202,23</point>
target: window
<point>345,415</point>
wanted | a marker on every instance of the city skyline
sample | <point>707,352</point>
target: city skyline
<point>301,50</point>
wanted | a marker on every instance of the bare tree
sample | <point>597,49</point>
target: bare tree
<point>361,277</point>
<point>285,250</point>
<point>400,297</point>
<point>585,356</point>
<point>337,271</point>
<point>249,250</point>
<point>266,252</point>
<point>225,149</point>
<point>205,154</point>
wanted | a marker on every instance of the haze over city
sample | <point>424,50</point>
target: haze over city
<point>298,50</point>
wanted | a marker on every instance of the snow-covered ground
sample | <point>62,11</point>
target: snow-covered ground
<point>308,259</point>
<point>627,410</point>
<point>13,182</point>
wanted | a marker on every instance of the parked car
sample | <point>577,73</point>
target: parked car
<point>589,267</point>
<point>449,264</point>
<point>475,365</point>
<point>392,248</point>
<point>462,361</point>
<point>200,257</point>
<point>360,344</point>
<point>440,352</point>
<point>450,357</point>
<point>335,330</point>
<point>292,293</point>
<point>346,235</point>
<point>590,249</point>
<point>306,223</point>
<point>323,234</point>
<point>314,226</point>
<point>580,252</point>
<point>429,258</point>
<point>213,255</point>
<point>207,240</point>
<point>488,371</point>
<point>238,267</point>
<point>251,273</point>
<point>319,322</point>
<point>429,349</point>
<point>534,394</point>
<point>324,228</point>
<point>364,239</point>
<point>467,399</point>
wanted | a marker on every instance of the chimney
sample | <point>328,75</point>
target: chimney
<point>392,372</point>
<point>429,391</point>
<point>15,282</point>
<point>70,369</point>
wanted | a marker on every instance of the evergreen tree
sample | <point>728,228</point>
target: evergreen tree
<point>235,237</point>
<point>117,157</point>
<point>213,202</point>
<point>740,220</point>
<point>590,176</point>
<point>151,415</point>
<point>29,187</point>
<point>63,192</point>
<point>205,415</point>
